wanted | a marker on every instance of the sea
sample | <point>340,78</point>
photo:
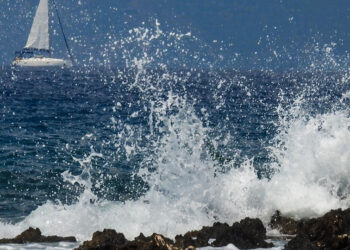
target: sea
<point>151,148</point>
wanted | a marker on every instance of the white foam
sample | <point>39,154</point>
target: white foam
<point>37,246</point>
<point>187,192</point>
<point>228,247</point>
<point>314,165</point>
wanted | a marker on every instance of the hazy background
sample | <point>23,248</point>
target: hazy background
<point>273,34</point>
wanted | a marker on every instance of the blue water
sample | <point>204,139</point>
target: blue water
<point>50,122</point>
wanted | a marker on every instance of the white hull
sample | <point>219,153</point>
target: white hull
<point>41,62</point>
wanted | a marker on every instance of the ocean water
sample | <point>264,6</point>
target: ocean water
<point>149,148</point>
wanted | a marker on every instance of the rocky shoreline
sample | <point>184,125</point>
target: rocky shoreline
<point>248,233</point>
<point>32,235</point>
<point>331,231</point>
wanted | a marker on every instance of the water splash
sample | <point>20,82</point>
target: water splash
<point>168,140</point>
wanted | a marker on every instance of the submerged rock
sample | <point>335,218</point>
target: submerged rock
<point>32,235</point>
<point>248,233</point>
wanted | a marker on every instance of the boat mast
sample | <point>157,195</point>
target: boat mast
<point>64,36</point>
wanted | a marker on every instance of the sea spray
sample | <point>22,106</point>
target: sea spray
<point>313,160</point>
<point>170,151</point>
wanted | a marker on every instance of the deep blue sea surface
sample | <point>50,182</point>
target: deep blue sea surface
<point>169,150</point>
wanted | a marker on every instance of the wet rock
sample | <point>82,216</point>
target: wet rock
<point>248,233</point>
<point>156,242</point>
<point>32,235</point>
<point>285,225</point>
<point>108,239</point>
<point>201,237</point>
<point>300,242</point>
<point>111,240</point>
<point>331,231</point>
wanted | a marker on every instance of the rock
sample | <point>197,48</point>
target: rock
<point>284,224</point>
<point>32,235</point>
<point>248,233</point>
<point>109,239</point>
<point>154,242</point>
<point>201,238</point>
<point>300,242</point>
<point>331,231</point>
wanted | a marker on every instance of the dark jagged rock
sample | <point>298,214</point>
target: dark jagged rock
<point>201,237</point>
<point>248,233</point>
<point>32,235</point>
<point>300,242</point>
<point>331,231</point>
<point>153,242</point>
<point>285,225</point>
<point>109,239</point>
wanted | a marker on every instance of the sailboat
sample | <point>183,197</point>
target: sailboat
<point>36,52</point>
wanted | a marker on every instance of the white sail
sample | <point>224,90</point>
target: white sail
<point>39,34</point>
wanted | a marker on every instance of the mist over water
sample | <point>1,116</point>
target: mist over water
<point>152,148</point>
